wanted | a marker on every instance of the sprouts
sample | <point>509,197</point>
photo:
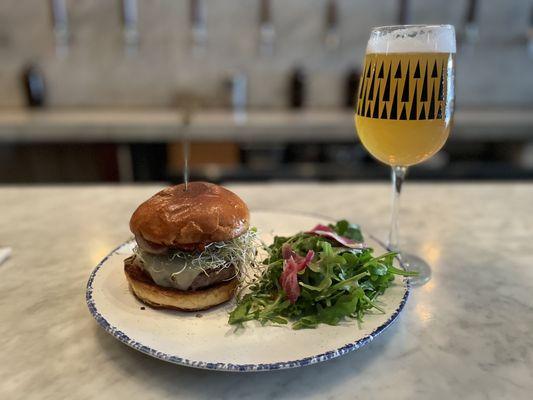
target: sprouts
<point>239,252</point>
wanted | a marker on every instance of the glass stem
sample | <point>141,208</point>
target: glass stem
<point>398,177</point>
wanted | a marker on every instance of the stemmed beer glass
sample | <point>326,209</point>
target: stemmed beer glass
<point>405,106</point>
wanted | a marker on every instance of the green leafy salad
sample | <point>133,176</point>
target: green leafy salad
<point>324,275</point>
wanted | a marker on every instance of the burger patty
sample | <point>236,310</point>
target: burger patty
<point>212,277</point>
<point>204,280</point>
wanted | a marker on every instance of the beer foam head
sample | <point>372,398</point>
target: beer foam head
<point>412,39</point>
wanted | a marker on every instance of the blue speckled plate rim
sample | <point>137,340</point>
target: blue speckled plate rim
<point>121,336</point>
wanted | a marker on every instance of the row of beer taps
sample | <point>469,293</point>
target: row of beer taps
<point>266,26</point>
<point>198,25</point>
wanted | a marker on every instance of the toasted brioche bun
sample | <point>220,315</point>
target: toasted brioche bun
<point>203,213</point>
<point>156,296</point>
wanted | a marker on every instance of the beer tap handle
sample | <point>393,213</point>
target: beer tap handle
<point>530,33</point>
<point>404,12</point>
<point>267,33</point>
<point>470,28</point>
<point>198,17</point>
<point>60,26</point>
<point>239,96</point>
<point>332,37</point>
<point>130,25</point>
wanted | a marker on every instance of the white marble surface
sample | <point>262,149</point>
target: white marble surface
<point>467,334</point>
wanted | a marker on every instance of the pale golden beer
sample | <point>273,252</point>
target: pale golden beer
<point>404,107</point>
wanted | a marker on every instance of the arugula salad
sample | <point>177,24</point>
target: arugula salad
<point>324,275</point>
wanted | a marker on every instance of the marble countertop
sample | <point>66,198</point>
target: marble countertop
<point>467,334</point>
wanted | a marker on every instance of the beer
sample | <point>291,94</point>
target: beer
<point>404,106</point>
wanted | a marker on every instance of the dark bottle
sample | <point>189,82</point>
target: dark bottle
<point>297,88</point>
<point>34,87</point>
<point>351,85</point>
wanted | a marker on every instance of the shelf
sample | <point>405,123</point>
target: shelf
<point>145,125</point>
<point>469,170</point>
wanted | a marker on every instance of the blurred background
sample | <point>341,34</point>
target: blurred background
<point>110,90</point>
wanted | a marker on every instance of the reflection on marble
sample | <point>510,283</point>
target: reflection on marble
<point>467,334</point>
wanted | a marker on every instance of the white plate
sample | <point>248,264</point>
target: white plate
<point>206,340</point>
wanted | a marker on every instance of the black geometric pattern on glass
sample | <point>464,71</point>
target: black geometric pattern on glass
<point>422,114</point>
<point>384,112</point>
<point>375,113</point>
<point>403,115</point>
<point>363,105</point>
<point>441,85</point>
<point>414,106</point>
<point>386,91</point>
<point>431,112</point>
<point>394,108</point>
<point>425,101</point>
<point>371,90</point>
<point>425,84</point>
<point>361,100</point>
<point>417,71</point>
<point>434,73</point>
<point>405,94</point>
<point>398,73</point>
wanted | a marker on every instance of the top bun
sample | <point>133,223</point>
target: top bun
<point>203,213</point>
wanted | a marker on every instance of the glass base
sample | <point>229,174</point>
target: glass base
<point>415,263</point>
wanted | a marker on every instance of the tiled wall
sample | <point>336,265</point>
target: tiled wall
<point>97,72</point>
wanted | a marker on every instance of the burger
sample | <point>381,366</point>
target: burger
<point>193,242</point>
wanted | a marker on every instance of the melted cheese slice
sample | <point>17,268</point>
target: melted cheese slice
<point>168,272</point>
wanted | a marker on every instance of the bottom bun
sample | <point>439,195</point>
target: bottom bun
<point>156,296</point>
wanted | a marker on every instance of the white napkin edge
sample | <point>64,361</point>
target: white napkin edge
<point>5,253</point>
